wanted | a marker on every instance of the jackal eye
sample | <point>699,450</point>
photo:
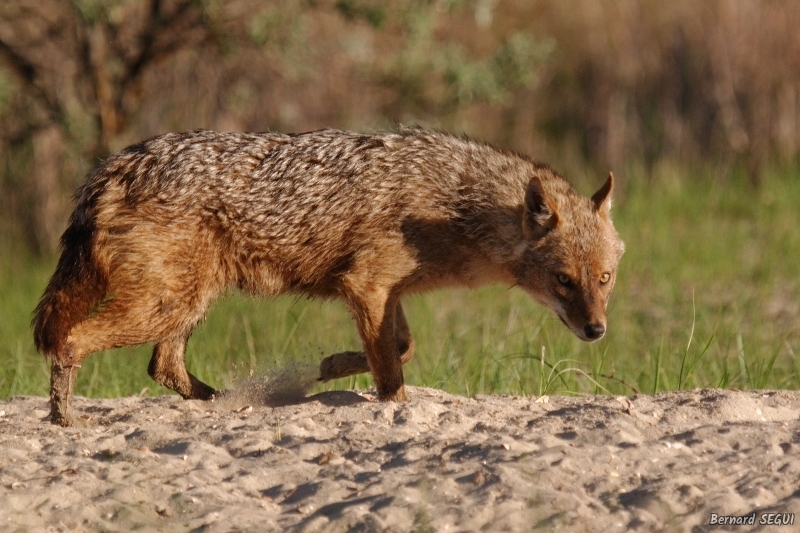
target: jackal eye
<point>605,278</point>
<point>563,279</point>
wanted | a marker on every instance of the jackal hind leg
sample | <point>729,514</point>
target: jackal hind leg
<point>131,318</point>
<point>62,384</point>
<point>112,327</point>
<point>81,343</point>
<point>168,368</point>
<point>343,364</point>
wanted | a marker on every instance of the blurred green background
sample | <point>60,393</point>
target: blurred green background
<point>695,106</point>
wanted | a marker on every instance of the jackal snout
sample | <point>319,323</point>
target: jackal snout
<point>594,331</point>
<point>587,322</point>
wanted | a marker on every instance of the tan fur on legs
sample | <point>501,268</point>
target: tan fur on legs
<point>405,342</point>
<point>94,334</point>
<point>124,321</point>
<point>343,364</point>
<point>374,312</point>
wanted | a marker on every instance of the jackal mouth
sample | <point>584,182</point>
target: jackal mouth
<point>575,332</point>
<point>580,333</point>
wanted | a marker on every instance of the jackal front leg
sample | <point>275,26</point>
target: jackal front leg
<point>343,364</point>
<point>374,314</point>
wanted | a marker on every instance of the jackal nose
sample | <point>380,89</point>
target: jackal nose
<point>594,331</point>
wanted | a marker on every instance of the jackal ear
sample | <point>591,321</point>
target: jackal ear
<point>602,198</point>
<point>541,214</point>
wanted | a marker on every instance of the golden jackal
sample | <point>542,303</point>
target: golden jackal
<point>164,226</point>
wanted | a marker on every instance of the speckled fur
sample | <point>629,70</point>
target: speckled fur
<point>163,227</point>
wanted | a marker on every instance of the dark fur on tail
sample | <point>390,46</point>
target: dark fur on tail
<point>77,286</point>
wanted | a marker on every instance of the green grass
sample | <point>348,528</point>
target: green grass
<point>708,295</point>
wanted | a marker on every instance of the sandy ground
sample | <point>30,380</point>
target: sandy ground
<point>338,461</point>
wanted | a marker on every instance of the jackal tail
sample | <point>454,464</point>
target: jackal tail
<point>77,286</point>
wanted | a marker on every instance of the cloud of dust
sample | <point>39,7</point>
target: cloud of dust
<point>274,387</point>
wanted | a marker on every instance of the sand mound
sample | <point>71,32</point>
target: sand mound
<point>339,462</point>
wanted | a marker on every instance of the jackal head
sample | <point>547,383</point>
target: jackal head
<point>572,253</point>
